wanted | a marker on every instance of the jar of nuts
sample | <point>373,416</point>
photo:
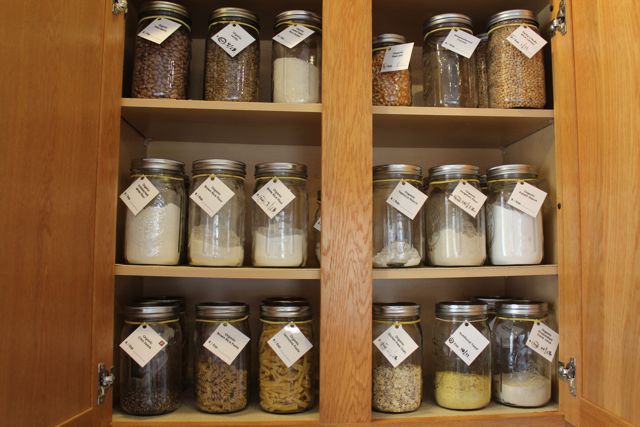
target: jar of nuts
<point>389,87</point>
<point>515,81</point>
<point>161,63</point>
<point>230,75</point>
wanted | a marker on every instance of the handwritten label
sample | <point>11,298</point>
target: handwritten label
<point>543,340</point>
<point>233,39</point>
<point>467,342</point>
<point>468,198</point>
<point>407,199</point>
<point>397,57</point>
<point>273,197</point>
<point>526,41</point>
<point>143,344</point>
<point>159,30</point>
<point>290,344</point>
<point>212,195</point>
<point>139,194</point>
<point>317,225</point>
<point>395,344</point>
<point>527,198</point>
<point>461,42</point>
<point>292,35</point>
<point>226,342</point>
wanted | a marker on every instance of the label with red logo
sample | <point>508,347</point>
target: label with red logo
<point>143,344</point>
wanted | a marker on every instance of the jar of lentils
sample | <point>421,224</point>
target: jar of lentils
<point>389,87</point>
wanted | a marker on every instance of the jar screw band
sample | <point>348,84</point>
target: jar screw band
<point>147,18</point>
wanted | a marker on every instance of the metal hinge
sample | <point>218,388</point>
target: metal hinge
<point>106,379</point>
<point>560,22</point>
<point>568,374</point>
<point>120,6</point>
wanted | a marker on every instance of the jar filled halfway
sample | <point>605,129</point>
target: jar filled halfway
<point>317,230</point>
<point>389,87</point>
<point>493,302</point>
<point>482,79</point>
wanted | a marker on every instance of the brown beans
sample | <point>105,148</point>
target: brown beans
<point>392,87</point>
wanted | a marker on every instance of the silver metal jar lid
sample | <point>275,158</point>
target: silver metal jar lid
<point>284,169</point>
<point>156,6</point>
<point>483,37</point>
<point>447,19</point>
<point>294,308</point>
<point>232,167</point>
<point>517,308</point>
<point>222,310</point>
<point>393,310</point>
<point>163,300</point>
<point>298,16</point>
<point>388,39</point>
<point>151,312</point>
<point>508,15</point>
<point>394,170</point>
<point>443,170</point>
<point>163,165</point>
<point>225,13</point>
<point>515,169</point>
<point>470,308</point>
<point>493,301</point>
<point>285,300</point>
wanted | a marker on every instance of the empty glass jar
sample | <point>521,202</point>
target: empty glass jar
<point>389,87</point>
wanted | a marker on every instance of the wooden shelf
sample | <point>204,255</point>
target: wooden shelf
<point>463,272</point>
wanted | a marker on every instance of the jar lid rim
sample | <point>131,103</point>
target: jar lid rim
<point>388,38</point>
<point>520,168</point>
<point>224,309</point>
<point>281,169</point>
<point>304,16</point>
<point>151,301</point>
<point>453,169</point>
<point>457,19</point>
<point>506,15</point>
<point>461,307</point>
<point>148,163</point>
<point>397,168</point>
<point>385,310</point>
<point>164,6</point>
<point>523,308</point>
<point>234,12</point>
<point>285,307</point>
<point>234,166</point>
<point>151,312</point>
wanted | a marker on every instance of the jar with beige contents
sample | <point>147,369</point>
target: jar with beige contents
<point>389,87</point>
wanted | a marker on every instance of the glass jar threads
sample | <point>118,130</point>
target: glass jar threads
<point>296,70</point>
<point>515,81</point>
<point>161,68</point>
<point>155,235</point>
<point>482,80</point>
<point>281,241</point>
<point>221,380</point>
<point>458,385</point>
<point>397,387</point>
<point>514,237</point>
<point>449,78</point>
<point>389,87</point>
<point>218,240</point>
<point>398,241</point>
<point>454,237</point>
<point>521,377</point>
<point>232,76</point>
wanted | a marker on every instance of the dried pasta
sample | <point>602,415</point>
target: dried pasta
<point>220,388</point>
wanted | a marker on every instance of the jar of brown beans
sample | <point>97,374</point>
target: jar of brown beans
<point>389,87</point>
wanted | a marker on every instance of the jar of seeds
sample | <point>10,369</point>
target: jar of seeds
<point>481,71</point>
<point>389,87</point>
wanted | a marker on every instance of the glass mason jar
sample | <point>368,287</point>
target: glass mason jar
<point>454,238</point>
<point>521,377</point>
<point>228,78</point>
<point>155,388</point>
<point>220,387</point>
<point>156,234</point>
<point>398,389</point>
<point>296,70</point>
<point>281,241</point>
<point>398,241</point>
<point>218,240</point>
<point>389,87</point>
<point>162,70</point>
<point>316,232</point>
<point>514,236</point>
<point>285,390</point>
<point>515,81</point>
<point>481,71</point>
<point>493,302</point>
<point>458,385</point>
<point>449,78</point>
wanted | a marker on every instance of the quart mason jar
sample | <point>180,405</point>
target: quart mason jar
<point>458,385</point>
<point>155,235</point>
<point>515,81</point>
<point>296,70</point>
<point>398,241</point>
<point>521,377</point>
<point>162,70</point>
<point>482,80</point>
<point>389,87</point>
<point>226,77</point>
<point>154,388</point>
<point>493,302</point>
<point>397,389</point>
<point>514,237</point>
<point>449,78</point>
<point>221,386</point>
<point>454,237</point>
<point>316,232</point>
<point>218,240</point>
<point>281,241</point>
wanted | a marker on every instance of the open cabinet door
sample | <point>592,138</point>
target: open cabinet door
<point>60,83</point>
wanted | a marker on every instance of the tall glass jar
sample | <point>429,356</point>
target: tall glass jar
<point>296,70</point>
<point>218,240</point>
<point>458,385</point>
<point>493,302</point>
<point>454,237</point>
<point>154,388</point>
<point>482,80</point>
<point>281,241</point>
<point>521,377</point>
<point>156,234</point>
<point>389,87</point>
<point>397,389</point>
<point>162,70</point>
<point>285,390</point>
<point>316,230</point>
<point>226,77</point>
<point>221,384</point>
<point>449,78</point>
<point>515,81</point>
<point>398,241</point>
<point>514,237</point>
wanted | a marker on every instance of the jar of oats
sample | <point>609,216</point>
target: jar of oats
<point>389,87</point>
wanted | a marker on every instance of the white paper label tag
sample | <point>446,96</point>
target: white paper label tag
<point>395,344</point>
<point>526,41</point>
<point>468,198</point>
<point>143,344</point>
<point>543,340</point>
<point>212,195</point>
<point>467,342</point>
<point>233,39</point>
<point>273,197</point>
<point>317,225</point>
<point>292,35</point>
<point>290,344</point>
<point>461,42</point>
<point>527,198</point>
<point>397,57</point>
<point>159,30</point>
<point>139,194</point>
<point>407,199</point>
<point>226,342</point>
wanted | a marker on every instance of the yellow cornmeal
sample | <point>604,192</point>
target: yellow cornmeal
<point>455,390</point>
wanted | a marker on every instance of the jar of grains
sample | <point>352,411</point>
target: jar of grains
<point>155,235</point>
<point>161,65</point>
<point>449,78</point>
<point>218,240</point>
<point>515,81</point>
<point>316,229</point>
<point>482,81</point>
<point>389,87</point>
<point>296,70</point>
<point>230,75</point>
<point>493,302</point>
<point>397,379</point>
<point>461,383</point>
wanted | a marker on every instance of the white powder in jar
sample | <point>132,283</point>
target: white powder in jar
<point>397,254</point>
<point>517,237</point>
<point>153,236</point>
<point>295,80</point>
<point>527,389</point>
<point>278,250</point>
<point>223,250</point>
<point>450,248</point>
